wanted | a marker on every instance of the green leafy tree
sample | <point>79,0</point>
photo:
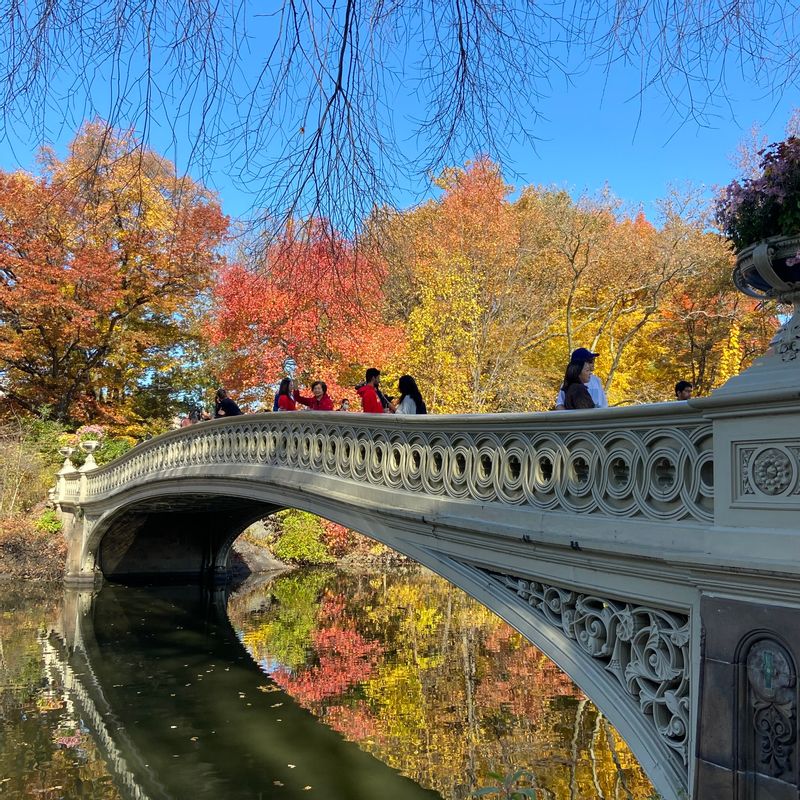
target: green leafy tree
<point>300,540</point>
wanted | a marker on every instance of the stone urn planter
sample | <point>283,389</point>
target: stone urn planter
<point>764,270</point>
<point>89,448</point>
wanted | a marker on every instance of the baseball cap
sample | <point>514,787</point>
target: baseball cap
<point>582,354</point>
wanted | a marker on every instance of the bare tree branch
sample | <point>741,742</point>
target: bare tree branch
<point>305,106</point>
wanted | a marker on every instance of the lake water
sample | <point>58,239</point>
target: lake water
<point>310,684</point>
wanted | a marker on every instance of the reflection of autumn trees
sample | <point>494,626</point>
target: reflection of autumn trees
<point>345,658</point>
<point>434,684</point>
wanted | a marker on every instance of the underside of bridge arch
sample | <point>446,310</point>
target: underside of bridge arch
<point>169,534</point>
<point>182,537</point>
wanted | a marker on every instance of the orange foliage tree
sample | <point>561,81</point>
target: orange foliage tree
<point>101,259</point>
<point>312,298</point>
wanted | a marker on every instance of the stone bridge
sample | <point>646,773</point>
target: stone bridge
<point>651,551</point>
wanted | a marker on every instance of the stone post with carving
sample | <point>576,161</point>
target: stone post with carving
<point>747,747</point>
<point>67,468</point>
<point>89,465</point>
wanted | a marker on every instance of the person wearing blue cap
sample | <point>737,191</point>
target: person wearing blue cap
<point>595,387</point>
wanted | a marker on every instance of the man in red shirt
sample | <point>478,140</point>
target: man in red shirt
<point>368,392</point>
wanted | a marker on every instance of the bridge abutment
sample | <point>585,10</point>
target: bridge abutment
<point>747,741</point>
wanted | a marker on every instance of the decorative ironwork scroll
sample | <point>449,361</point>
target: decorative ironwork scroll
<point>645,649</point>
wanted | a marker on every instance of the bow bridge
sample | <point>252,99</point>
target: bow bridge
<point>652,551</point>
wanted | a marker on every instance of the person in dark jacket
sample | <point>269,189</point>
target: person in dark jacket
<point>224,406</point>
<point>319,400</point>
<point>576,393</point>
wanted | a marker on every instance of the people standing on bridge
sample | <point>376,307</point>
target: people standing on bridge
<point>683,390</point>
<point>344,406</point>
<point>574,388</point>
<point>192,418</point>
<point>372,399</point>
<point>224,406</point>
<point>286,390</point>
<point>319,400</point>
<point>411,401</point>
<point>582,356</point>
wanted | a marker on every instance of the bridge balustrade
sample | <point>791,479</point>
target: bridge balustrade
<point>648,462</point>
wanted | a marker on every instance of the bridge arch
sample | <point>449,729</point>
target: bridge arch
<point>576,626</point>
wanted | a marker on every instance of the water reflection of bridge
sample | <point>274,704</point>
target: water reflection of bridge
<point>179,709</point>
<point>652,552</point>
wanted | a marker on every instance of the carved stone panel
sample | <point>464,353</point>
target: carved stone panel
<point>645,649</point>
<point>767,473</point>
<point>747,740</point>
<point>770,737</point>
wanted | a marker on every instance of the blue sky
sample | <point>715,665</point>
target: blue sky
<point>594,131</point>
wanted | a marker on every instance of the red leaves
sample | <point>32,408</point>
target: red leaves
<point>314,298</point>
<point>345,659</point>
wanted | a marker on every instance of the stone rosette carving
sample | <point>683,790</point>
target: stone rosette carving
<point>643,648</point>
<point>772,679</point>
<point>649,470</point>
<point>772,471</point>
<point>768,469</point>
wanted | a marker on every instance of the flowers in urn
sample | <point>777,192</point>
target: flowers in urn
<point>90,432</point>
<point>767,204</point>
<point>761,216</point>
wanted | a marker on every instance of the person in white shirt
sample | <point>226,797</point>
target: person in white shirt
<point>411,401</point>
<point>595,387</point>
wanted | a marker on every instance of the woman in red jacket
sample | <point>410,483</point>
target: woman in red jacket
<point>285,396</point>
<point>319,401</point>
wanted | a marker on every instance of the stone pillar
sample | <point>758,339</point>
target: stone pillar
<point>747,742</point>
<point>88,466</point>
<point>81,567</point>
<point>67,468</point>
<point>81,571</point>
<point>747,745</point>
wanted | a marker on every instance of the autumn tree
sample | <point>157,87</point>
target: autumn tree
<point>102,259</point>
<point>311,298</point>
<point>710,330</point>
<point>467,272</point>
<point>495,294</point>
<point>617,272</point>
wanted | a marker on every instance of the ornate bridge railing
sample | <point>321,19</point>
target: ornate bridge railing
<point>653,462</point>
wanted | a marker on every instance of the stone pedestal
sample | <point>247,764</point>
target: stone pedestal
<point>747,742</point>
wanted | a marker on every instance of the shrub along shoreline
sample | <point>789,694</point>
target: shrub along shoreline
<point>31,550</point>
